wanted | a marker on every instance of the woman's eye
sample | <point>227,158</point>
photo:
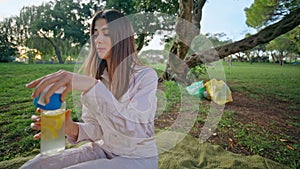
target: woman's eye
<point>106,33</point>
<point>103,33</point>
<point>95,35</point>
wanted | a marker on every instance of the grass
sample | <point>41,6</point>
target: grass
<point>16,107</point>
<point>265,80</point>
<point>274,82</point>
<point>259,80</point>
<point>261,141</point>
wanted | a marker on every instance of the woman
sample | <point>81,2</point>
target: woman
<point>119,103</point>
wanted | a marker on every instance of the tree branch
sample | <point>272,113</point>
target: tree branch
<point>267,34</point>
<point>48,39</point>
<point>142,41</point>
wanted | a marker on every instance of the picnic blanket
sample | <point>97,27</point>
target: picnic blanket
<point>190,154</point>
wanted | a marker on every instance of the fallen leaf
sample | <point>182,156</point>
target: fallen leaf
<point>283,140</point>
<point>289,147</point>
<point>287,141</point>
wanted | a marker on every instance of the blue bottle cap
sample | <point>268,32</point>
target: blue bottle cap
<point>54,103</point>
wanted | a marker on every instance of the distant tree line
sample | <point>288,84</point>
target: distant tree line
<point>56,28</point>
<point>60,28</point>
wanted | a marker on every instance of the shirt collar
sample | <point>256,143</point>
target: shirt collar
<point>105,75</point>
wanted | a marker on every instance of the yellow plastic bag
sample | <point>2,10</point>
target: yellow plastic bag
<point>218,91</point>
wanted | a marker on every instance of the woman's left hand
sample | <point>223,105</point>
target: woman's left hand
<point>71,81</point>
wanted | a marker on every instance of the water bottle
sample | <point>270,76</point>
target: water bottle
<point>52,122</point>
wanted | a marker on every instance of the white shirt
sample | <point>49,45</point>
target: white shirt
<point>125,126</point>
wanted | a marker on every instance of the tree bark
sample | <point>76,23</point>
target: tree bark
<point>274,58</point>
<point>280,58</point>
<point>57,50</point>
<point>58,54</point>
<point>267,34</point>
<point>142,42</point>
<point>187,27</point>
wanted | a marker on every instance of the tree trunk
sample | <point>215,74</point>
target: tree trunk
<point>230,61</point>
<point>273,57</point>
<point>58,54</point>
<point>141,42</point>
<point>56,48</point>
<point>267,34</point>
<point>190,12</point>
<point>58,51</point>
<point>259,59</point>
<point>240,57</point>
<point>280,58</point>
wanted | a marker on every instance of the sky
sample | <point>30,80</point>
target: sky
<point>13,7</point>
<point>227,16</point>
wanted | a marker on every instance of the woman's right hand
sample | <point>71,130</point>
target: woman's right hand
<point>71,81</point>
<point>36,124</point>
<point>71,126</point>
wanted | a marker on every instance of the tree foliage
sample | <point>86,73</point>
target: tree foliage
<point>286,24</point>
<point>265,12</point>
<point>60,21</point>
<point>59,27</point>
<point>285,45</point>
<point>7,45</point>
<point>207,41</point>
<point>60,24</point>
<point>149,16</point>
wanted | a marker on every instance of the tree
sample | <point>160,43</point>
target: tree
<point>260,13</point>
<point>265,12</point>
<point>287,23</point>
<point>58,22</point>
<point>207,41</point>
<point>294,37</point>
<point>281,17</point>
<point>189,12</point>
<point>284,45</point>
<point>258,53</point>
<point>127,7</point>
<point>7,46</point>
<point>150,16</point>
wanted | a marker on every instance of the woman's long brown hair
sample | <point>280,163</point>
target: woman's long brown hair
<point>123,52</point>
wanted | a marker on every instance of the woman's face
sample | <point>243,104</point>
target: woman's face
<point>102,39</point>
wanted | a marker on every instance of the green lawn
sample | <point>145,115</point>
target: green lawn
<point>264,79</point>
<point>261,80</point>
<point>16,107</point>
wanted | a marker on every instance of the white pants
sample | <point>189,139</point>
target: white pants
<point>89,156</point>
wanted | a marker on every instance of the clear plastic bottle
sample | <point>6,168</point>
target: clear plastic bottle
<point>52,123</point>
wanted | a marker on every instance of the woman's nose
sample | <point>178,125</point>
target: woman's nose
<point>99,38</point>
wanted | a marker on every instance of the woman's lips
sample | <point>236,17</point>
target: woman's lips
<point>100,49</point>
